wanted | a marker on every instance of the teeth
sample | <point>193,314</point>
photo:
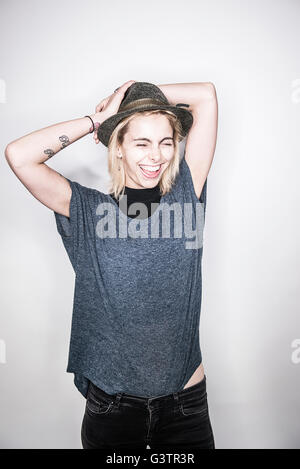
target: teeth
<point>151,168</point>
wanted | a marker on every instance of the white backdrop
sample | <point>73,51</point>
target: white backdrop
<point>58,60</point>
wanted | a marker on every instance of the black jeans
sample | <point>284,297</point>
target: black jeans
<point>123,421</point>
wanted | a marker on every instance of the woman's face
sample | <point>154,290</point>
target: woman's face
<point>148,145</point>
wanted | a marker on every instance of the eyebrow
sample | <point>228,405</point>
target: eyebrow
<point>148,140</point>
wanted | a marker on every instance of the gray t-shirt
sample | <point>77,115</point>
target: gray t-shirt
<point>137,298</point>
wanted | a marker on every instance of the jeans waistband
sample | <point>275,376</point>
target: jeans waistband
<point>132,399</point>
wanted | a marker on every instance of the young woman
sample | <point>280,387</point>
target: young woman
<point>136,253</point>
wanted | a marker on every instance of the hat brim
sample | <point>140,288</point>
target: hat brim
<point>107,127</point>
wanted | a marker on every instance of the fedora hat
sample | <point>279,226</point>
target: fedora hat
<point>143,96</point>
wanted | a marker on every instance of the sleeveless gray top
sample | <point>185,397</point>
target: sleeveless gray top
<point>138,289</point>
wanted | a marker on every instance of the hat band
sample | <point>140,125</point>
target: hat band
<point>141,102</point>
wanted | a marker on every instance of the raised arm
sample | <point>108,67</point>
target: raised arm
<point>202,137</point>
<point>27,155</point>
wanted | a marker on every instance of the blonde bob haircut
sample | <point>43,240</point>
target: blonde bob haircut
<point>117,176</point>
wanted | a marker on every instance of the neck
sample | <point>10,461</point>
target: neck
<point>142,188</point>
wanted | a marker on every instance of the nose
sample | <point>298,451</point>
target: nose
<point>155,157</point>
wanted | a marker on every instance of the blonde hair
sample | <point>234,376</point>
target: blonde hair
<point>117,177</point>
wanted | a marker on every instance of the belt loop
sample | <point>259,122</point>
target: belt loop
<point>175,395</point>
<point>118,398</point>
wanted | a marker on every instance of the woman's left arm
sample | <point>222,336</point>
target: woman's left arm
<point>202,137</point>
<point>188,93</point>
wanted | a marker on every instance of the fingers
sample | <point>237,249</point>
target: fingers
<point>124,87</point>
<point>119,92</point>
<point>96,137</point>
<point>128,83</point>
<point>99,107</point>
<point>102,105</point>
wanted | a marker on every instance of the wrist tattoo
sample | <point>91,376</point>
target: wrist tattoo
<point>49,152</point>
<point>65,140</point>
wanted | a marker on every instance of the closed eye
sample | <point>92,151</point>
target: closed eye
<point>143,145</point>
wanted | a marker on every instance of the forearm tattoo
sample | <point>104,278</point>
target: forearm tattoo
<point>64,141</point>
<point>49,152</point>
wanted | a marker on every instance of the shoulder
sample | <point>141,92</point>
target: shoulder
<point>86,193</point>
<point>184,183</point>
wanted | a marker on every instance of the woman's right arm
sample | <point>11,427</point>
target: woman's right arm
<point>27,155</point>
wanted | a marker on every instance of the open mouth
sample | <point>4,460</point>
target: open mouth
<point>151,171</point>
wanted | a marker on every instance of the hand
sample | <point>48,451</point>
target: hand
<point>110,106</point>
